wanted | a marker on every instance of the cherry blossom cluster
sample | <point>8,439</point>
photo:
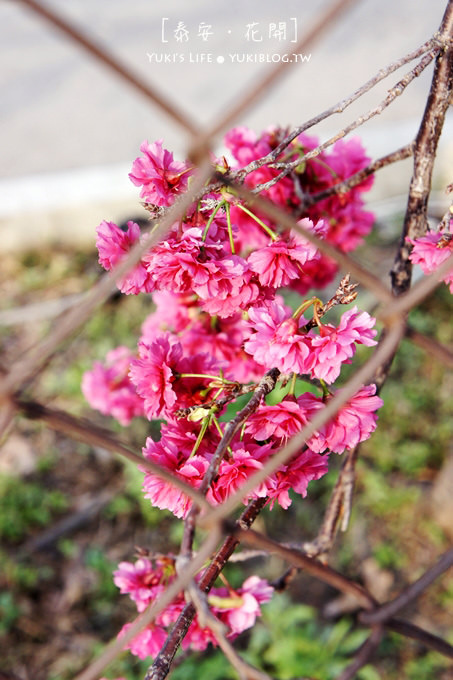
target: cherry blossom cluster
<point>145,580</point>
<point>220,321</point>
<point>431,250</point>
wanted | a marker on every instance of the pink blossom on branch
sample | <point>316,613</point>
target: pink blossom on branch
<point>108,389</point>
<point>353,423</point>
<point>162,178</point>
<point>431,250</point>
<point>335,346</point>
<point>113,245</point>
<point>283,260</point>
<point>275,339</point>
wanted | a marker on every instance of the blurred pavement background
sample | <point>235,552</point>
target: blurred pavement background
<point>71,129</point>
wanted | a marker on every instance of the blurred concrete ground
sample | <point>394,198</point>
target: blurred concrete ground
<point>70,129</point>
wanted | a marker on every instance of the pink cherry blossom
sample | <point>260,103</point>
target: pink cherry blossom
<point>236,469</point>
<point>153,374</point>
<point>354,423</point>
<point>254,591</point>
<point>335,346</point>
<point>296,475</point>
<point>282,260</point>
<point>277,340</point>
<point>161,177</point>
<point>143,581</point>
<point>430,251</point>
<point>279,422</point>
<point>113,245</point>
<point>108,389</point>
<point>147,643</point>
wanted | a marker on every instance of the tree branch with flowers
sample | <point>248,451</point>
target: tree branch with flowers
<point>227,250</point>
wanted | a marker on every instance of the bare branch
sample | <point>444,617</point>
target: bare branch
<point>363,655</point>
<point>428,639</point>
<point>358,177</point>
<point>339,107</point>
<point>308,564</point>
<point>84,430</point>
<point>389,609</point>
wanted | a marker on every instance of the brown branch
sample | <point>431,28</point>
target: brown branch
<point>83,430</point>
<point>99,52</point>
<point>431,346</point>
<point>309,564</point>
<point>162,663</point>
<point>363,654</point>
<point>358,177</point>
<point>265,386</point>
<point>389,609</point>
<point>415,222</point>
<point>338,509</point>
<point>428,639</point>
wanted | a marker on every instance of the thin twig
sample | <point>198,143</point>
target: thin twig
<point>358,177</point>
<point>338,509</point>
<point>339,107</point>
<point>389,609</point>
<point>363,655</point>
<point>84,430</point>
<point>308,564</point>
<point>428,639</point>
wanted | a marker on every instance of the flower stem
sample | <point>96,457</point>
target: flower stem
<point>211,219</point>
<point>220,431</point>
<point>207,376</point>
<point>264,226</point>
<point>204,426</point>
<point>230,230</point>
<point>304,306</point>
<point>292,387</point>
